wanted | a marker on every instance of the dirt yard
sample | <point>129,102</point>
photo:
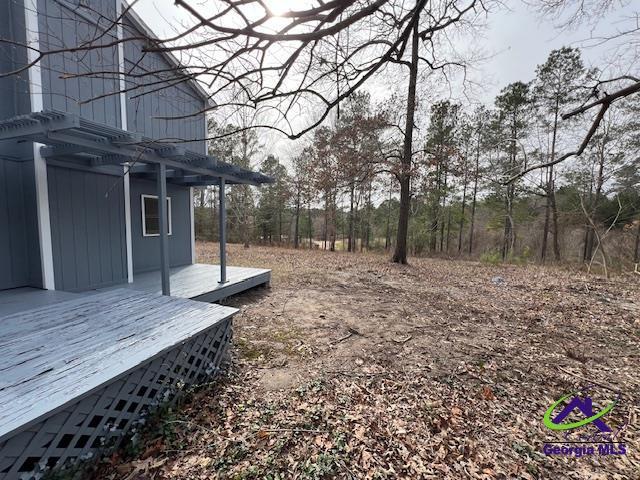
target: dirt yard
<point>349,366</point>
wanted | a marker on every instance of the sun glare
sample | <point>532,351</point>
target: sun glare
<point>279,7</point>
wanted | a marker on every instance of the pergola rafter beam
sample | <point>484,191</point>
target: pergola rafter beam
<point>34,124</point>
<point>171,152</point>
<point>173,174</point>
<point>67,135</point>
<point>61,151</point>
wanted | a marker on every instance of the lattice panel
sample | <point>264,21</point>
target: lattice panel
<point>98,422</point>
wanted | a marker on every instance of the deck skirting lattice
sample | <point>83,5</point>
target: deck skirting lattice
<point>100,420</point>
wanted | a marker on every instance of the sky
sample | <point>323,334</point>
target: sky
<point>514,41</point>
<point>521,41</point>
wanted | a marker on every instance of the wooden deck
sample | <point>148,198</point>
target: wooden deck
<point>201,281</point>
<point>56,354</point>
<point>20,299</point>
<point>79,371</point>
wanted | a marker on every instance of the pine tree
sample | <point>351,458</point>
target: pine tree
<point>555,88</point>
<point>441,146</point>
<point>513,104</point>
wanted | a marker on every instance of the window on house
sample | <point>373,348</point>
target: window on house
<point>151,216</point>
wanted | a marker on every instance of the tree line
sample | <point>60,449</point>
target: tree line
<point>296,69</point>
<point>341,190</point>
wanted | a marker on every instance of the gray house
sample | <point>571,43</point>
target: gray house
<point>96,222</point>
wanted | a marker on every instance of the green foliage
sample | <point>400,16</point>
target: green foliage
<point>321,467</point>
<point>493,257</point>
<point>343,182</point>
<point>274,200</point>
<point>558,82</point>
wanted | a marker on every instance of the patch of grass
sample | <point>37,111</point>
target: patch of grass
<point>339,442</point>
<point>251,351</point>
<point>492,257</point>
<point>285,336</point>
<point>289,339</point>
<point>324,466</point>
<point>71,472</point>
<point>255,472</point>
<point>267,412</point>
<point>314,386</point>
<point>232,455</point>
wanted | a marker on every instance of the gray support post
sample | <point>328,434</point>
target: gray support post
<point>223,233</point>
<point>163,225</point>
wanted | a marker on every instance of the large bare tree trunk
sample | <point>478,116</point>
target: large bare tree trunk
<point>350,245</point>
<point>590,234</point>
<point>296,234</point>
<point>509,231</point>
<point>310,226</point>
<point>472,222</point>
<point>400,254</point>
<point>551,209</point>
<point>367,236</point>
<point>547,218</point>
<point>244,224</point>
<point>552,184</point>
<point>474,199</point>
<point>443,210</point>
<point>387,237</point>
<point>464,205</point>
<point>554,217</point>
<point>326,221</point>
<point>448,228</point>
<point>636,250</point>
<point>332,224</point>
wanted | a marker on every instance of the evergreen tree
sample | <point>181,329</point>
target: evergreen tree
<point>441,147</point>
<point>513,109</point>
<point>274,200</point>
<point>555,88</point>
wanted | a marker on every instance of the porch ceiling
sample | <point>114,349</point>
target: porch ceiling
<point>71,138</point>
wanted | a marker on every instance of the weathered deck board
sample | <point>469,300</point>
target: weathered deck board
<point>52,355</point>
<point>200,281</point>
<point>19,299</point>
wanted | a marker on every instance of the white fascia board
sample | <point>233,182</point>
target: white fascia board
<point>39,163</point>
<point>193,226</point>
<point>124,125</point>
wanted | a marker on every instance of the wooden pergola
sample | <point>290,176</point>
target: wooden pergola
<point>70,138</point>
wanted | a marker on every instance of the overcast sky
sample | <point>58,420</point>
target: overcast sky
<point>516,39</point>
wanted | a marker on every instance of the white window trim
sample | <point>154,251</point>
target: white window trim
<point>144,225</point>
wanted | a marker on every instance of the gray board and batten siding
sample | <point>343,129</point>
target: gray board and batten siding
<point>87,209</point>
<point>62,24</point>
<point>179,99</point>
<point>19,244</point>
<point>87,229</point>
<point>14,89</point>
<point>19,248</point>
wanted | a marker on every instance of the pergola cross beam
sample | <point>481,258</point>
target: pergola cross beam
<point>66,134</point>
